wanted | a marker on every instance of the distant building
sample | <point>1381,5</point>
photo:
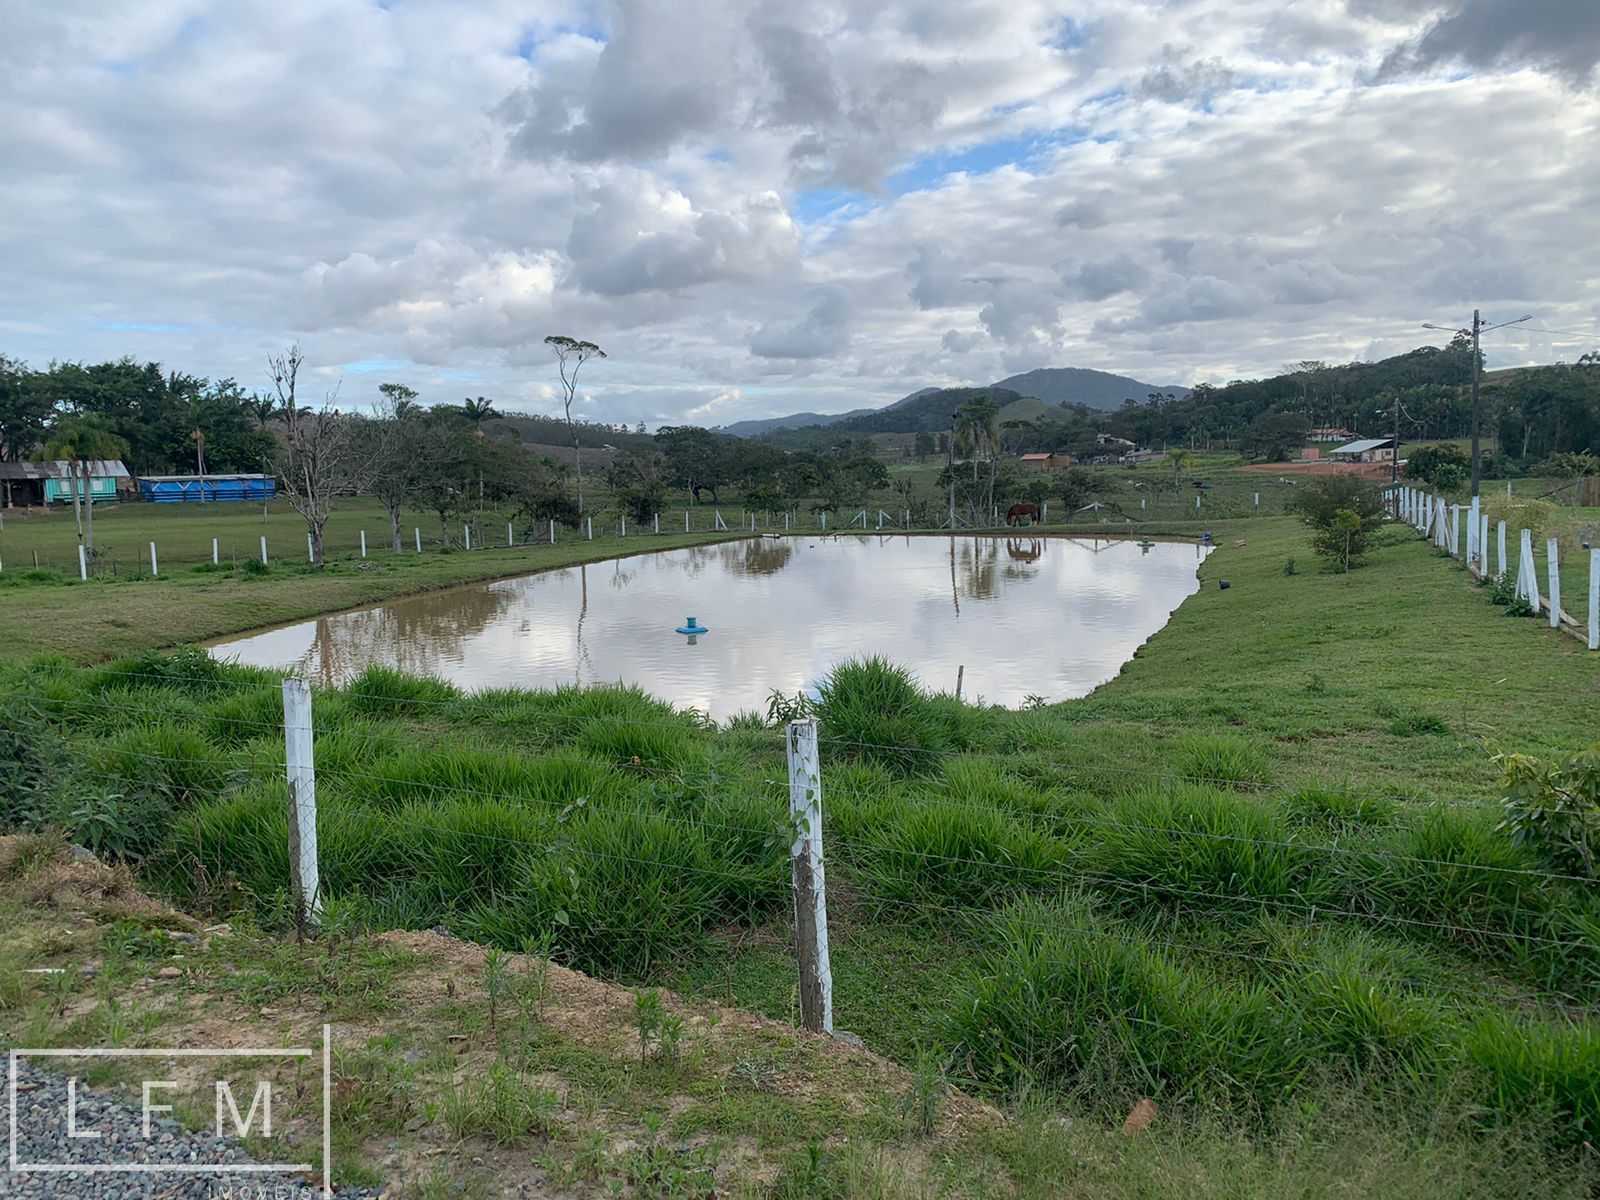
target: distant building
<point>1134,457</point>
<point>1331,434</point>
<point>1106,439</point>
<point>1036,462</point>
<point>28,483</point>
<point>205,489</point>
<point>1367,450</point>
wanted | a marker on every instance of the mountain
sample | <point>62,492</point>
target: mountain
<point>760,425</point>
<point>927,411</point>
<point>1079,385</point>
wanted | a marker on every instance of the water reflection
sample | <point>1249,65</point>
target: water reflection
<point>1023,615</point>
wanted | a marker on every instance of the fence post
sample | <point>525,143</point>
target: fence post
<point>417,529</point>
<point>1473,549</point>
<point>624,526</point>
<point>658,522</point>
<point>1483,543</point>
<point>1455,531</point>
<point>363,543</point>
<point>466,536</point>
<point>510,539</point>
<point>83,564</point>
<point>302,777</point>
<point>263,549</point>
<point>590,522</point>
<point>310,554</point>
<point>1527,576</point>
<point>154,571</point>
<point>810,888</point>
<point>1553,567</point>
<point>1594,598</point>
<point>686,520</point>
<point>1197,503</point>
<point>1500,544</point>
<point>213,552</point>
<point>824,518</point>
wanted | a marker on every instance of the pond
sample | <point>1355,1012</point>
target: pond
<point>1021,616</point>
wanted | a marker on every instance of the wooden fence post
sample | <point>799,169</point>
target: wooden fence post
<point>1552,566</point>
<point>302,777</point>
<point>810,887</point>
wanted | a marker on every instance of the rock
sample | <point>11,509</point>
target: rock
<point>81,854</point>
<point>1139,1118</point>
<point>169,973</point>
<point>849,1039</point>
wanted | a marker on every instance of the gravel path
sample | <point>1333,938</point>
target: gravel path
<point>41,1138</point>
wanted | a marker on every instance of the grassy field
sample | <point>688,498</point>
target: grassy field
<point>1258,870</point>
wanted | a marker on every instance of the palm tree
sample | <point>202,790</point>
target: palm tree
<point>478,411</point>
<point>262,408</point>
<point>978,430</point>
<point>1181,461</point>
<point>81,440</point>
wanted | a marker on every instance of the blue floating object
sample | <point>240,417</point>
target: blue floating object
<point>690,625</point>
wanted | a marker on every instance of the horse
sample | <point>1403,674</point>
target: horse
<point>1016,512</point>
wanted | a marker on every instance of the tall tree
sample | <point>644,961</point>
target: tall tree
<point>82,440</point>
<point>400,454</point>
<point>571,354</point>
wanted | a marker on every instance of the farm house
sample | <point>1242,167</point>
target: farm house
<point>205,489</point>
<point>34,483</point>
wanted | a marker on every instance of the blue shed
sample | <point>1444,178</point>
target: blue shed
<point>205,489</point>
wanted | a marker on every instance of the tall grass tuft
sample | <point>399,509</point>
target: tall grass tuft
<point>385,692</point>
<point>1221,759</point>
<point>874,709</point>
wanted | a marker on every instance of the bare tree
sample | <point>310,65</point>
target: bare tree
<point>571,354</point>
<point>323,452</point>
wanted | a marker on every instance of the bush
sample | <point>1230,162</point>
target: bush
<point>1445,466</point>
<point>1554,809</point>
<point>1343,512</point>
<point>876,710</point>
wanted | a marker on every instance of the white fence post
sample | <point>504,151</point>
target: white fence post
<point>363,543</point>
<point>686,520</point>
<point>213,552</point>
<point>1473,549</point>
<point>83,564</point>
<point>1483,543</point>
<point>1527,576</point>
<point>1455,531</point>
<point>302,777</point>
<point>590,521</point>
<point>810,887</point>
<point>1553,567</point>
<point>153,568</point>
<point>466,536</point>
<point>1197,503</point>
<point>624,526</point>
<point>510,538</point>
<point>1500,544</point>
<point>263,549</point>
<point>1594,598</point>
<point>658,522</point>
<point>310,554</point>
<point>552,531</point>
<point>824,518</point>
<point>417,529</point>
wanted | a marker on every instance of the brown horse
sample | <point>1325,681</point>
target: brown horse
<point>1016,512</point>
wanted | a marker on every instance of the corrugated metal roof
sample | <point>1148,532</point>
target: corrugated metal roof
<point>210,477</point>
<point>1026,457</point>
<point>61,469</point>
<point>1362,446</point>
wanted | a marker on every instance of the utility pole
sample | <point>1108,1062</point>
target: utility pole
<point>1394,451</point>
<point>1477,370</point>
<point>1478,327</point>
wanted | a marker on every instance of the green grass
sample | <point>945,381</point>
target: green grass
<point>1263,858</point>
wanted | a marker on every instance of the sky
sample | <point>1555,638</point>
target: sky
<point>761,207</point>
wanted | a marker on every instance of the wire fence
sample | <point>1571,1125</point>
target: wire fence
<point>690,846</point>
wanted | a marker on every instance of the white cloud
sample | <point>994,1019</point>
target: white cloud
<point>764,207</point>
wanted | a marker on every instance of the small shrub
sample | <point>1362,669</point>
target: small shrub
<point>1343,512</point>
<point>384,692</point>
<point>254,568</point>
<point>1553,809</point>
<point>1289,567</point>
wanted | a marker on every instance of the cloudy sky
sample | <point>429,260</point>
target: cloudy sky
<point>758,207</point>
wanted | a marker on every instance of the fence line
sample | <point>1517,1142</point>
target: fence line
<point>1428,515</point>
